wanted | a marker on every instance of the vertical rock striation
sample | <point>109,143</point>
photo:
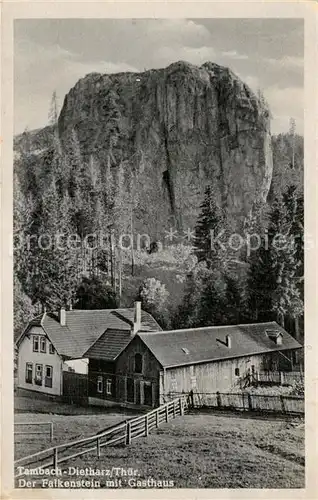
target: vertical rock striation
<point>182,127</point>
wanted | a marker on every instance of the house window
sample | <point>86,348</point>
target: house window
<point>29,373</point>
<point>38,374</point>
<point>51,349</point>
<point>35,343</point>
<point>43,344</point>
<point>100,385</point>
<point>138,363</point>
<point>108,386</point>
<point>48,376</point>
<point>237,372</point>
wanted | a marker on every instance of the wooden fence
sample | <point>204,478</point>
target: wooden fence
<point>293,405</point>
<point>123,433</point>
<point>27,432</point>
<point>281,378</point>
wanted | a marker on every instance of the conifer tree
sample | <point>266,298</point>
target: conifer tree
<point>273,289</point>
<point>211,223</point>
<point>52,260</point>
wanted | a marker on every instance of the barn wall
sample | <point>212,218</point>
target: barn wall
<point>149,375</point>
<point>210,377</point>
<point>26,355</point>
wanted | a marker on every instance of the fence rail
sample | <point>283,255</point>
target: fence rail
<point>30,424</point>
<point>123,433</point>
<point>281,378</point>
<point>293,405</point>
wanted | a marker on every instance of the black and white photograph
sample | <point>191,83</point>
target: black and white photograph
<point>158,254</point>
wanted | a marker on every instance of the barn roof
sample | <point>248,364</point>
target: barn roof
<point>84,327</point>
<point>109,345</point>
<point>197,345</point>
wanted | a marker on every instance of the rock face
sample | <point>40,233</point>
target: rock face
<point>182,127</point>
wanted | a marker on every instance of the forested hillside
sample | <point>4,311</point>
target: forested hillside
<point>81,199</point>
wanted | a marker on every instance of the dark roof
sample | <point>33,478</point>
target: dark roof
<point>109,345</point>
<point>182,347</point>
<point>84,327</point>
<point>113,341</point>
<point>148,323</point>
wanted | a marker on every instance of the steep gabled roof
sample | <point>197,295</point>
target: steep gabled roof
<point>84,327</point>
<point>109,345</point>
<point>112,342</point>
<point>195,345</point>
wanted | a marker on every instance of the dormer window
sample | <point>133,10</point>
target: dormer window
<point>279,339</point>
<point>275,336</point>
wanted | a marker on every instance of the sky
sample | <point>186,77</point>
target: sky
<point>53,54</point>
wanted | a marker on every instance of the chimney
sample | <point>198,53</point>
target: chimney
<point>228,341</point>
<point>62,316</point>
<point>137,317</point>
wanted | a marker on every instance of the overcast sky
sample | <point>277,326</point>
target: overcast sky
<point>53,54</point>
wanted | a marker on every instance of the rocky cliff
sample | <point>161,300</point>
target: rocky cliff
<point>181,128</point>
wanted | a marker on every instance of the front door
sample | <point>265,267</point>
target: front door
<point>148,393</point>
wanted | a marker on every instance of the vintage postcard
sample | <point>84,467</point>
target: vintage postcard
<point>158,270</point>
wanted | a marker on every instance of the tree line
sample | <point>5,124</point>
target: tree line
<point>59,191</point>
<point>62,199</point>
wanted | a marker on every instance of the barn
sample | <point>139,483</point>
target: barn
<point>144,369</point>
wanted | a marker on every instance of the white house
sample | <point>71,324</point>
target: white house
<point>57,342</point>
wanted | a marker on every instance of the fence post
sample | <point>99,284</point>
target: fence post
<point>243,400</point>
<point>218,399</point>
<point>167,414</point>
<point>55,458</point>
<point>283,403</point>
<point>146,425</point>
<point>191,399</point>
<point>281,378</point>
<point>181,406</point>
<point>51,431</point>
<point>250,402</point>
<point>157,418</point>
<point>98,447</point>
<point>174,408</point>
<point>128,433</point>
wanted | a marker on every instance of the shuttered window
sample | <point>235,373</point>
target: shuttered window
<point>29,373</point>
<point>109,386</point>
<point>100,384</point>
<point>38,374</point>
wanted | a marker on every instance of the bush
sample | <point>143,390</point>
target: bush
<point>94,293</point>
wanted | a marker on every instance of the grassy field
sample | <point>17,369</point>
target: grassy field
<point>70,422</point>
<point>200,450</point>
